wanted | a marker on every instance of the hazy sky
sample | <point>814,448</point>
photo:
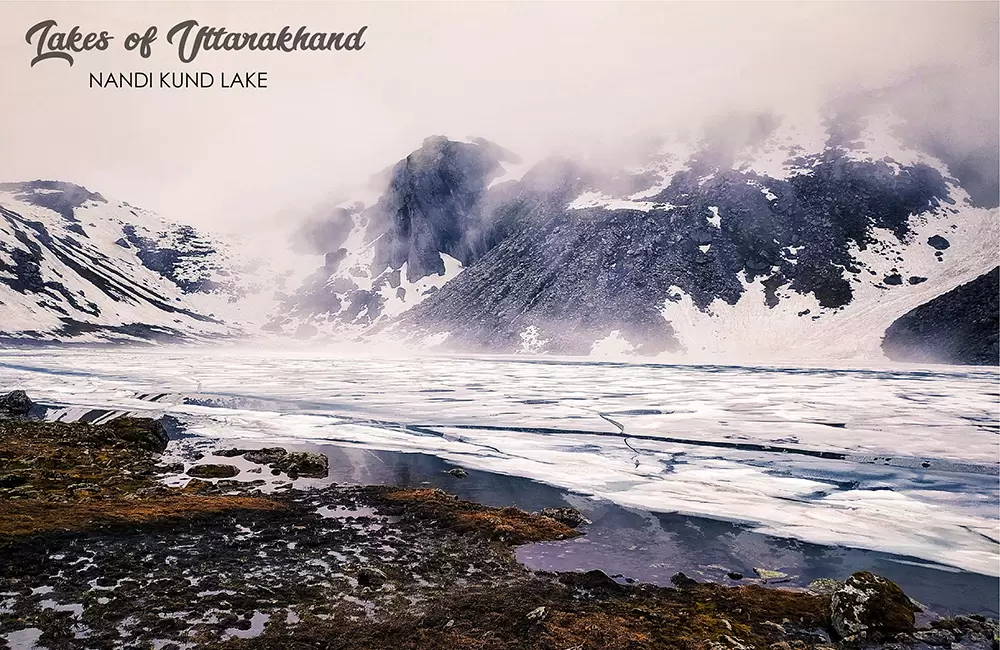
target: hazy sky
<point>533,77</point>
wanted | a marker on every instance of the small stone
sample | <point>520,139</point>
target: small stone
<point>824,586</point>
<point>78,488</point>
<point>735,575</point>
<point>458,472</point>
<point>537,614</point>
<point>935,637</point>
<point>733,643</point>
<point>371,577</point>
<point>681,580</point>
<point>197,485</point>
<point>11,480</point>
<point>768,574</point>
<point>774,626</point>
<point>229,453</point>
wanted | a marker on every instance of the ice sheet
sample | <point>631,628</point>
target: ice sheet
<point>901,460</point>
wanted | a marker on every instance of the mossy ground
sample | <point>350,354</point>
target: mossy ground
<point>57,476</point>
<point>98,554</point>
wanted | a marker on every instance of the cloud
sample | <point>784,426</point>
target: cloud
<point>536,78</point>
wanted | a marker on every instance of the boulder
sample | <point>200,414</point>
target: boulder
<point>15,404</point>
<point>681,580</point>
<point>143,432</point>
<point>569,516</point>
<point>458,472</point>
<point>229,453</point>
<point>371,577</point>
<point>303,463</point>
<point>210,470</point>
<point>265,456</point>
<point>871,606</point>
<point>824,586</point>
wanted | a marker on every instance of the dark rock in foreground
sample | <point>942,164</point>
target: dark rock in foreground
<point>961,326</point>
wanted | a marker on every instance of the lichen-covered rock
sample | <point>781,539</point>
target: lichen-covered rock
<point>210,470</point>
<point>15,403</point>
<point>569,516</point>
<point>770,574</point>
<point>872,606</point>
<point>824,586</point>
<point>303,463</point>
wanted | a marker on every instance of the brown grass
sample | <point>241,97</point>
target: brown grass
<point>31,516</point>
<point>596,630</point>
<point>507,524</point>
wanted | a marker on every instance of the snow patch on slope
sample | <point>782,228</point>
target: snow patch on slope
<point>799,328</point>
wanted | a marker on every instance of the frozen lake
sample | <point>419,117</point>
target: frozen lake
<point>902,460</point>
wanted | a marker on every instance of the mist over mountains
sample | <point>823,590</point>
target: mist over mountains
<point>761,236</point>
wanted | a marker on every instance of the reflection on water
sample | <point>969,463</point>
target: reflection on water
<point>652,547</point>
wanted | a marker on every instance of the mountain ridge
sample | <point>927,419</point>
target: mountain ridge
<point>764,237</point>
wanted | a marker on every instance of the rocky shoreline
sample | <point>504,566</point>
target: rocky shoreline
<point>96,551</point>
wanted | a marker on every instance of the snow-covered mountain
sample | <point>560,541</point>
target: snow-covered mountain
<point>75,266</point>
<point>762,237</point>
<point>759,238</point>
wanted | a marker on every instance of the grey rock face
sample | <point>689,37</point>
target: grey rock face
<point>433,205</point>
<point>577,275</point>
<point>540,262</point>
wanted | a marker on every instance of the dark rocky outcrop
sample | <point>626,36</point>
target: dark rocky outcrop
<point>433,205</point>
<point>961,326</point>
<point>57,196</point>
